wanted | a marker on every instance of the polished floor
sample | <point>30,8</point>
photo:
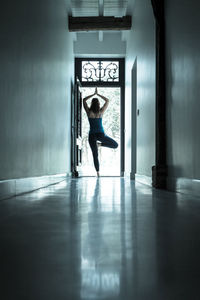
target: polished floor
<point>105,238</point>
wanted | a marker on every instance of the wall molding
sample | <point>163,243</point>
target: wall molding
<point>184,185</point>
<point>175,184</point>
<point>144,179</point>
<point>13,187</point>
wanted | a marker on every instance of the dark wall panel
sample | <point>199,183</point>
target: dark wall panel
<point>36,70</point>
<point>183,92</point>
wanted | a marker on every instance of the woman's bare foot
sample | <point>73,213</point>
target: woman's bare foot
<point>98,175</point>
<point>98,144</point>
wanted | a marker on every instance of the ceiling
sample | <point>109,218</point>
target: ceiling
<point>81,8</point>
<point>90,43</point>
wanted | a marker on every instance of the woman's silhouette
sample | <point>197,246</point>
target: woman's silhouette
<point>96,133</point>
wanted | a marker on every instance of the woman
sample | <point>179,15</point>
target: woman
<point>96,133</point>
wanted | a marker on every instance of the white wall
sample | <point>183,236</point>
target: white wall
<point>141,45</point>
<point>97,44</point>
<point>183,88</point>
<point>36,59</point>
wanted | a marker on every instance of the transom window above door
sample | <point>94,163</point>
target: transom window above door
<point>100,71</point>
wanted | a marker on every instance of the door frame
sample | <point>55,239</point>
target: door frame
<point>120,84</point>
<point>134,114</point>
<point>76,128</point>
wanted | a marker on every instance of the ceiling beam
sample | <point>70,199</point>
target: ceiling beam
<point>101,7</point>
<point>99,23</point>
<point>100,36</point>
<point>101,3</point>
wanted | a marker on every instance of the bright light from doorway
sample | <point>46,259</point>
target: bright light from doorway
<point>109,158</point>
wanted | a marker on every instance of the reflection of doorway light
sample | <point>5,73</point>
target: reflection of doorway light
<point>109,158</point>
<point>100,264</point>
<point>97,284</point>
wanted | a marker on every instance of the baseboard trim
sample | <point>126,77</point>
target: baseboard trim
<point>184,185</point>
<point>132,176</point>
<point>143,179</point>
<point>14,187</point>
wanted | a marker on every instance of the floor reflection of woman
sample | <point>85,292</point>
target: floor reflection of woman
<point>97,135</point>
<point>95,249</point>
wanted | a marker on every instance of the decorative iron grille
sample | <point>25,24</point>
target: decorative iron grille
<point>100,71</point>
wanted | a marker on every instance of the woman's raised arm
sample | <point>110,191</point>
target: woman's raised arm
<point>85,105</point>
<point>104,107</point>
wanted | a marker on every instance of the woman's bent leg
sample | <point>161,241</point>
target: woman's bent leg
<point>93,146</point>
<point>106,141</point>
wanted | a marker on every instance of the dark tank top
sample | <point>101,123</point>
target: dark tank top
<point>96,125</point>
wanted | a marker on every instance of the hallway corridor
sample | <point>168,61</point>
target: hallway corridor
<point>106,238</point>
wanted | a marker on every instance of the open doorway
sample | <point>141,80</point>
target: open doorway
<point>107,74</point>
<point>110,159</point>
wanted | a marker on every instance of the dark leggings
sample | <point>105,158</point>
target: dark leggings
<point>105,140</point>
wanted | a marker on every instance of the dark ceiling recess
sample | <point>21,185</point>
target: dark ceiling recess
<point>99,23</point>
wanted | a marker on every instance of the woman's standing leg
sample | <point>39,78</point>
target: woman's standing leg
<point>93,146</point>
